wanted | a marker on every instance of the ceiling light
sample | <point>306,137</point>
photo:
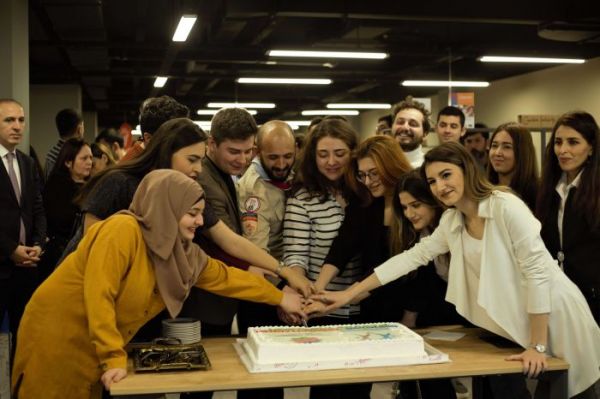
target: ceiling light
<point>327,54</point>
<point>240,105</point>
<point>184,27</point>
<point>160,81</point>
<point>444,83</point>
<point>350,112</point>
<point>203,124</point>
<point>289,81</point>
<point>497,58</point>
<point>214,111</point>
<point>298,123</point>
<point>358,106</point>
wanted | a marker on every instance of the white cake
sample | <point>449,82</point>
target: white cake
<point>376,342</point>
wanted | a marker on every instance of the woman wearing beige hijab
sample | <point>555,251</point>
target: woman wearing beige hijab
<point>125,271</point>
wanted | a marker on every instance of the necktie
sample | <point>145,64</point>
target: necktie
<point>15,183</point>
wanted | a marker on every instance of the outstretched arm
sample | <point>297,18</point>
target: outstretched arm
<point>244,249</point>
<point>336,299</point>
<point>221,279</point>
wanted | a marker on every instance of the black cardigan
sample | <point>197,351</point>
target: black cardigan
<point>362,233</point>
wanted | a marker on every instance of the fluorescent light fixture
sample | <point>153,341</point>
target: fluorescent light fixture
<point>444,83</point>
<point>160,81</point>
<point>498,58</point>
<point>288,81</point>
<point>203,124</point>
<point>358,106</point>
<point>298,123</point>
<point>240,105</point>
<point>327,54</point>
<point>214,111</point>
<point>349,112</point>
<point>184,27</point>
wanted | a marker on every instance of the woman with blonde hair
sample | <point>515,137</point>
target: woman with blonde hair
<point>501,277</point>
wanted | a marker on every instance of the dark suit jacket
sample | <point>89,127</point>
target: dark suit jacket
<point>31,210</point>
<point>219,196</point>
<point>580,244</point>
<point>208,307</point>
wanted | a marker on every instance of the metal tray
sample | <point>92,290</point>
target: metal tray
<point>160,357</point>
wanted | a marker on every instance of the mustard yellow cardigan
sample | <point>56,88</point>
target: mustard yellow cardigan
<point>78,321</point>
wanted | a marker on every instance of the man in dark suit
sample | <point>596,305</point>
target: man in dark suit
<point>23,226</point>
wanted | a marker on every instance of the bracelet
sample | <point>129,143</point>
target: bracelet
<point>280,268</point>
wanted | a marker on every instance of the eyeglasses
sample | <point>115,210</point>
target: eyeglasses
<point>372,175</point>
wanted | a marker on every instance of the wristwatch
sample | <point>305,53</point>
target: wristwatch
<point>540,348</point>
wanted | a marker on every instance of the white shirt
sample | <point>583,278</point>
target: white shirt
<point>415,157</point>
<point>472,249</point>
<point>563,189</point>
<point>3,152</point>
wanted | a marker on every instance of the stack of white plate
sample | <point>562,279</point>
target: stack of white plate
<point>187,330</point>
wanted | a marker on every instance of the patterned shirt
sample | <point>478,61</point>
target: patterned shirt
<point>52,156</point>
<point>309,228</point>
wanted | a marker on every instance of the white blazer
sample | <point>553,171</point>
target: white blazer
<point>514,259</point>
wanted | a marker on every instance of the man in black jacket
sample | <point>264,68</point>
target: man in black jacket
<point>23,226</point>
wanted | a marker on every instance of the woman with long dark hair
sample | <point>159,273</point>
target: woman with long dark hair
<point>419,214</point>
<point>70,172</point>
<point>513,162</point>
<point>313,216</point>
<point>569,202</point>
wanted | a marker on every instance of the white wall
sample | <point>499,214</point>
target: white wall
<point>368,122</point>
<point>14,58</point>
<point>551,91</point>
<point>90,125</point>
<point>45,101</point>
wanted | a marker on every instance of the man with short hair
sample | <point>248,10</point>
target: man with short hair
<point>69,124</point>
<point>450,126</point>
<point>384,125</point>
<point>261,190</point>
<point>155,111</point>
<point>476,142</point>
<point>411,125</point>
<point>230,149</point>
<point>23,227</point>
<point>262,198</point>
<point>114,141</point>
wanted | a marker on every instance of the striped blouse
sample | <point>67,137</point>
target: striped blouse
<point>309,228</point>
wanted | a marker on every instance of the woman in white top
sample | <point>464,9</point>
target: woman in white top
<point>501,276</point>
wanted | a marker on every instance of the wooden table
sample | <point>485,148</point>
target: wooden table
<point>470,356</point>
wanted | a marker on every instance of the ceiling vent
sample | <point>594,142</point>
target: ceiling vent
<point>570,32</point>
